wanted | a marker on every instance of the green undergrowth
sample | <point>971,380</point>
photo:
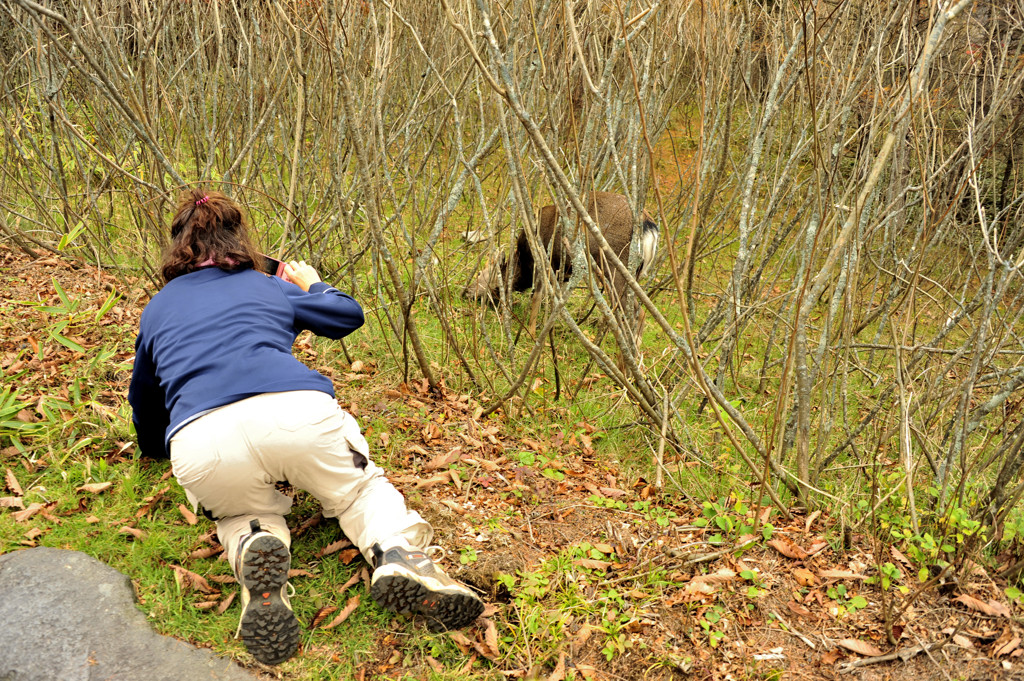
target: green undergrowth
<point>74,459</point>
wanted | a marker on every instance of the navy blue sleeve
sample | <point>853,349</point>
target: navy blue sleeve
<point>324,310</point>
<point>149,410</point>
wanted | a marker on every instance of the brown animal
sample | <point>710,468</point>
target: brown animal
<point>612,214</point>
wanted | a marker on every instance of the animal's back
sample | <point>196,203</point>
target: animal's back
<point>610,211</point>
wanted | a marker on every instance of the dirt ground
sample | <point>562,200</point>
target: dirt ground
<point>702,619</point>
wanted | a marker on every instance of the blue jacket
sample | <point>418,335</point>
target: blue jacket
<point>210,338</point>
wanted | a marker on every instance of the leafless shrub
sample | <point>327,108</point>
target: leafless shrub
<point>838,185</point>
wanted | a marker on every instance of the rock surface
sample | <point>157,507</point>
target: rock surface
<point>65,616</point>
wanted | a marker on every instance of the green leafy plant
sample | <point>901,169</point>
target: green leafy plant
<point>756,583</point>
<point>9,408</point>
<point>68,317</point>
<point>711,622</point>
<point>847,603</point>
<point>888,575</point>
<point>548,467</point>
<point>468,555</point>
<point>728,516</point>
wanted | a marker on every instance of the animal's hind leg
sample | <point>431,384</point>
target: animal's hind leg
<point>538,297</point>
<point>638,332</point>
<point>617,298</point>
<point>630,316</point>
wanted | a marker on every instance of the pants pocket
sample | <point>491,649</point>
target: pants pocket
<point>360,450</point>
<point>357,444</point>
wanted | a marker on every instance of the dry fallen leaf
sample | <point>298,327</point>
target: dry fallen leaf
<point>12,484</point>
<point>133,531</point>
<point>840,574</point>
<point>442,460</point>
<point>816,547</point>
<point>559,672</point>
<point>489,646</point>
<point>1005,648</point>
<point>810,521</point>
<point>993,608</point>
<point>582,636</point>
<point>1005,644</point>
<point>206,552</point>
<point>962,641</point>
<point>722,576</point>
<point>534,445</point>
<point>468,667</point>
<point>22,516</point>
<point>898,555</point>
<point>11,502</point>
<point>486,464</point>
<point>187,579</point>
<point>226,603</point>
<point>151,502</point>
<point>321,615</point>
<point>187,514</point>
<point>695,587</point>
<point>460,640</point>
<point>94,487</point>
<point>798,609</point>
<point>415,449</point>
<point>349,608</point>
<point>225,579</point>
<point>333,547</point>
<point>860,647</point>
<point>454,506</point>
<point>364,574</point>
<point>612,492</point>
<point>787,548</point>
<point>592,564</point>
<point>804,577</point>
<point>427,483</point>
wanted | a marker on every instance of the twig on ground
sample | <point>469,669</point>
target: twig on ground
<point>790,629</point>
<point>718,554</point>
<point>903,654</point>
<point>469,484</point>
<point>929,653</point>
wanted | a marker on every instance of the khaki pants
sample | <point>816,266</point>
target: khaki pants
<point>229,459</point>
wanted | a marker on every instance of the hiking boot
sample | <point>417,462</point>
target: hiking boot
<point>268,626</point>
<point>407,581</point>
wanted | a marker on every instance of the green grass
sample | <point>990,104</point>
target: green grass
<point>84,423</point>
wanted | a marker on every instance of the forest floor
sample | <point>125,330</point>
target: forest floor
<point>588,572</point>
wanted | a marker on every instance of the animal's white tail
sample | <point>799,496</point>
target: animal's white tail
<point>648,245</point>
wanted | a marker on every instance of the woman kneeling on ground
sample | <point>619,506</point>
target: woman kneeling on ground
<point>215,387</point>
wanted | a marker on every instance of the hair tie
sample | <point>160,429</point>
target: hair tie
<point>202,200</point>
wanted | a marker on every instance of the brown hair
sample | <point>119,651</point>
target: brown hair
<point>208,225</point>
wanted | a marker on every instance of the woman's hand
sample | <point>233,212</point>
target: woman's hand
<point>301,274</point>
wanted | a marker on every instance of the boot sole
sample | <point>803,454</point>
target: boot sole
<point>268,628</point>
<point>443,607</point>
